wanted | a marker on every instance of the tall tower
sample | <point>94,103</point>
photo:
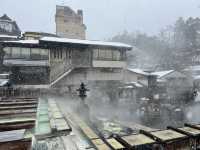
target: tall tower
<point>69,24</point>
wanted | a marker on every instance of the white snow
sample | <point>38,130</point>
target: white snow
<point>160,74</point>
<point>197,99</point>
<point>73,41</point>
<point>8,36</point>
<point>138,71</point>
<point>24,41</point>
<point>3,82</point>
<point>196,77</point>
<point>177,109</point>
<point>137,84</point>
<point>127,87</point>
<point>85,42</point>
<point>4,75</point>
<point>61,77</point>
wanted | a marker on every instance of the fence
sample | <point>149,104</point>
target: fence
<point>12,92</point>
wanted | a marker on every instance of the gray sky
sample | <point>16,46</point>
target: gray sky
<point>104,18</point>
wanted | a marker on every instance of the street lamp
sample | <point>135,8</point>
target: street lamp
<point>82,91</point>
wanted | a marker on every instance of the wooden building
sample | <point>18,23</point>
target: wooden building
<point>61,62</point>
<point>8,27</point>
<point>174,87</point>
<point>136,75</point>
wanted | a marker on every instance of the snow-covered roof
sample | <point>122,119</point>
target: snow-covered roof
<point>72,41</point>
<point>161,74</point>
<point>85,42</point>
<point>24,41</point>
<point>8,36</point>
<point>3,82</point>
<point>138,71</point>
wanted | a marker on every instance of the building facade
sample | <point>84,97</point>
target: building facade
<point>8,26</point>
<point>69,24</point>
<point>36,35</point>
<point>61,62</point>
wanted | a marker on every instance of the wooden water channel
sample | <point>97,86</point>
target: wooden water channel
<point>31,123</point>
<point>24,119</point>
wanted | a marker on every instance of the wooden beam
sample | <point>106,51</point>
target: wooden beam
<point>17,126</point>
<point>17,100</point>
<point>21,111</point>
<point>18,115</point>
<point>17,103</point>
<point>18,107</point>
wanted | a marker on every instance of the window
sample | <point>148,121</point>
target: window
<point>116,55</point>
<point>102,54</point>
<point>8,52</point>
<point>58,53</point>
<point>25,53</point>
<point>35,53</point>
<point>44,54</point>
<point>108,55</point>
<point>123,54</point>
<point>96,54</point>
<point>16,52</point>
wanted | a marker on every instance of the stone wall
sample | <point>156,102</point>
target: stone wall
<point>69,24</point>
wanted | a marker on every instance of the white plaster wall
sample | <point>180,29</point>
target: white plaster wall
<point>111,64</point>
<point>87,75</point>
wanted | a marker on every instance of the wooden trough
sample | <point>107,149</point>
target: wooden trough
<point>14,140</point>
<point>17,116</point>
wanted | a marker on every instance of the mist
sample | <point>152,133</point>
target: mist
<point>143,74</point>
<point>111,16</point>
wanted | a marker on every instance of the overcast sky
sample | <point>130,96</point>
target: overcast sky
<point>103,18</point>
